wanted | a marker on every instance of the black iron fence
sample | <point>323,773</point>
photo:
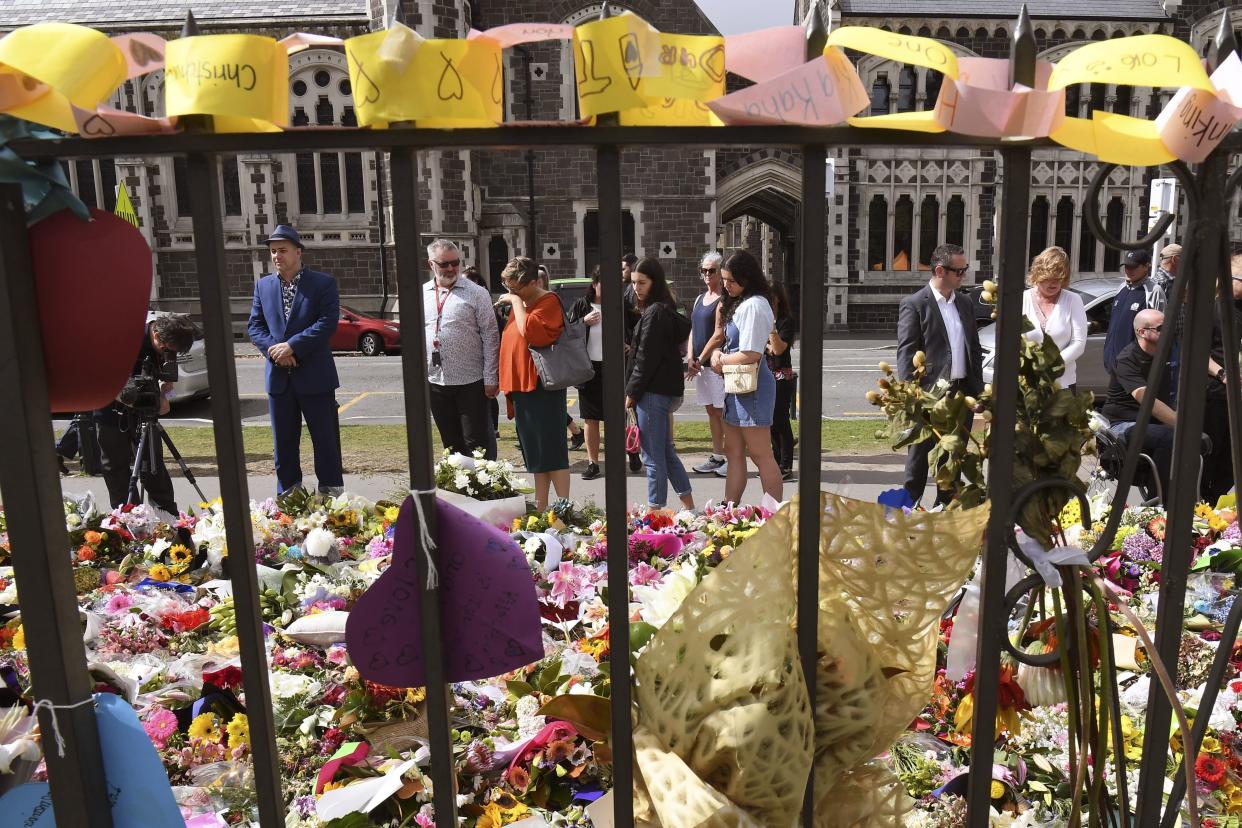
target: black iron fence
<point>32,495</point>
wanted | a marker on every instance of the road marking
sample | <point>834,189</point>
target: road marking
<point>346,406</point>
<point>859,414</point>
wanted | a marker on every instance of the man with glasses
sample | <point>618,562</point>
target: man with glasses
<point>1140,292</point>
<point>1128,387</point>
<point>939,322</point>
<point>708,385</point>
<point>463,348</point>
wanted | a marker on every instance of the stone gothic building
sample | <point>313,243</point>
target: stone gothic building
<point>888,207</point>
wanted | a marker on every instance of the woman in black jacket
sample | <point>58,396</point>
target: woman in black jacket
<point>591,395</point>
<point>656,381</point>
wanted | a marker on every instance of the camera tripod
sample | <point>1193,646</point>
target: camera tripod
<point>147,459</point>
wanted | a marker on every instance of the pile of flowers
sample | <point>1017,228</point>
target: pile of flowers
<point>1031,780</point>
<point>161,632</point>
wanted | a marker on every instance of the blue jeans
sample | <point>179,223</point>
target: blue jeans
<point>659,454</point>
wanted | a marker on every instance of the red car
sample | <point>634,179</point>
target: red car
<point>358,331</point>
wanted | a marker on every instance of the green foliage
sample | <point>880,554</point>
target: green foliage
<point>1052,434</point>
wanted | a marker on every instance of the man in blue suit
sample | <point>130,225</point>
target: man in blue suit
<point>292,320</point>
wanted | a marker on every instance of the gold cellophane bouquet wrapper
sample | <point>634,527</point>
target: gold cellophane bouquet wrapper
<point>724,732</point>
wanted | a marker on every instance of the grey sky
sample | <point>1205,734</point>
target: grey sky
<point>736,16</point>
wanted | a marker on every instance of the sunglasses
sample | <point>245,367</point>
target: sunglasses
<point>707,271</point>
<point>446,265</point>
<point>1156,328</point>
<point>960,271</point>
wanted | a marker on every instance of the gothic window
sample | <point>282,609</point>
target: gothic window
<point>1073,99</point>
<point>1125,100</point>
<point>94,181</point>
<point>929,230</point>
<point>879,94</point>
<point>497,258</point>
<point>327,183</point>
<point>903,232</point>
<point>1114,222</point>
<point>931,88</point>
<point>877,232</point>
<point>1086,247</point>
<point>955,221</point>
<point>1039,226</point>
<point>590,236</point>
<point>1096,103</point>
<point>1063,234</point>
<point>230,185</point>
<point>906,83</point>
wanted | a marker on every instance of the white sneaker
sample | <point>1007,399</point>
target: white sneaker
<point>722,470</point>
<point>710,465</point>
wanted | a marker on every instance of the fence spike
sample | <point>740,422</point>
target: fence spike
<point>816,33</point>
<point>1224,43</point>
<point>1022,51</point>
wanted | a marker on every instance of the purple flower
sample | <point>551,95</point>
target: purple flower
<point>1232,532</point>
<point>1140,546</point>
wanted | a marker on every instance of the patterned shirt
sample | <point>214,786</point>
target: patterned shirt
<point>289,290</point>
<point>462,320</point>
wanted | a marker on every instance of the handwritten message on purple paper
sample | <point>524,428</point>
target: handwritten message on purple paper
<point>488,604</point>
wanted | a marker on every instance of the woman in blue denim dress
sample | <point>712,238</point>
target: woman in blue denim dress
<point>748,321</point>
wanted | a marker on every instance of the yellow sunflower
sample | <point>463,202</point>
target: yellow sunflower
<point>180,554</point>
<point>159,572</point>
<point>205,727</point>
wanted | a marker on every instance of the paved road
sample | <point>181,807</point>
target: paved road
<point>370,391</point>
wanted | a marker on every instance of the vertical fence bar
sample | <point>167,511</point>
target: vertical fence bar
<point>33,504</point>
<point>811,243</point>
<point>1206,242</point>
<point>608,178</point>
<point>213,288</point>
<point>405,222</point>
<point>1015,204</point>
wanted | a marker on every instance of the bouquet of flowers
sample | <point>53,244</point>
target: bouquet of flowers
<point>487,489</point>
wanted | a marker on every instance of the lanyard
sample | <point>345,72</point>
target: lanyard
<point>440,303</point>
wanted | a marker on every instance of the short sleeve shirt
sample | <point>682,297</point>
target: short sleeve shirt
<point>1129,374</point>
<point>754,321</point>
<point>786,329</point>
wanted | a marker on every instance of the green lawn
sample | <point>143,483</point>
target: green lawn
<point>382,448</point>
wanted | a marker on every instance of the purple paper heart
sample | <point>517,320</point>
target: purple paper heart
<point>489,607</point>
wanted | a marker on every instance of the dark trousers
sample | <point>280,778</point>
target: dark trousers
<point>917,468</point>
<point>1217,466</point>
<point>116,456</point>
<point>287,410</point>
<point>463,418</point>
<point>1158,445</point>
<point>782,431</point>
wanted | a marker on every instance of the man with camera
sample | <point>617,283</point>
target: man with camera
<point>143,399</point>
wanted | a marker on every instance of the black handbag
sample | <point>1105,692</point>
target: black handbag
<point>565,362</point>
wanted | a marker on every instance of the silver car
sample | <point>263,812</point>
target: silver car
<point>1097,297</point>
<point>192,381</point>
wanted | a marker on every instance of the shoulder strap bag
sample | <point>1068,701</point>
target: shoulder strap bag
<point>565,362</point>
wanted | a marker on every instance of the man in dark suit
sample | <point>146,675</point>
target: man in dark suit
<point>939,322</point>
<point>292,320</point>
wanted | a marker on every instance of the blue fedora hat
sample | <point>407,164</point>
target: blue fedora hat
<point>284,232</point>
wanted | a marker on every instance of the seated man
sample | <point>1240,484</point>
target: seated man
<point>1128,386</point>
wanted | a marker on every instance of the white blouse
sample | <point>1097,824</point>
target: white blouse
<point>754,320</point>
<point>1066,325</point>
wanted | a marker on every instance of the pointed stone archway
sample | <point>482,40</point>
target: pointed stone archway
<point>766,185</point>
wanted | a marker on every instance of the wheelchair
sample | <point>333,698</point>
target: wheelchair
<point>1111,452</point>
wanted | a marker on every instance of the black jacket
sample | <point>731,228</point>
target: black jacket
<point>920,327</point>
<point>655,358</point>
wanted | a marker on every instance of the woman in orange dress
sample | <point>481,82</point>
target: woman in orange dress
<point>537,319</point>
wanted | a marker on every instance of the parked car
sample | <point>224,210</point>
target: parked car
<point>983,311</point>
<point>358,331</point>
<point>1097,297</point>
<point>570,290</point>
<point>192,381</point>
